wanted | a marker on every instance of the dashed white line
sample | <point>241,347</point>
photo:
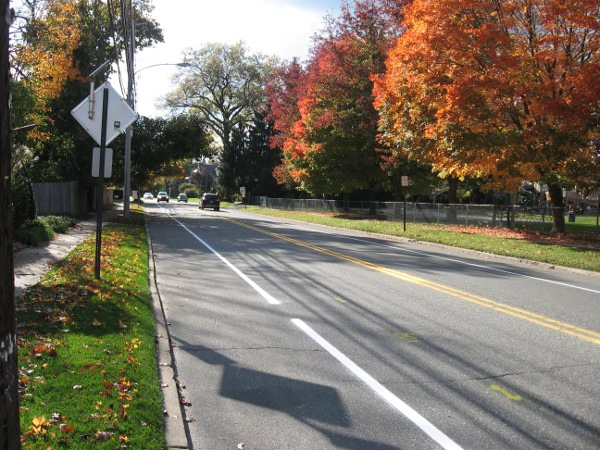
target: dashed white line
<point>268,297</point>
<point>426,426</point>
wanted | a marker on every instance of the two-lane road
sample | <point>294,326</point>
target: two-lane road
<point>292,336</point>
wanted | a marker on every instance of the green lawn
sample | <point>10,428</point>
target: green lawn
<point>88,374</point>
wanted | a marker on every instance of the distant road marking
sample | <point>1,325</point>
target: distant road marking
<point>426,426</point>
<point>538,319</point>
<point>408,336</point>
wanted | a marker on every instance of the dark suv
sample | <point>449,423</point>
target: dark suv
<point>210,201</point>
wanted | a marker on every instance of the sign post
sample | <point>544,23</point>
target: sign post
<point>404,183</point>
<point>115,110</point>
<point>100,193</point>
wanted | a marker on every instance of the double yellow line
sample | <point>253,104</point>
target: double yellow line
<point>547,322</point>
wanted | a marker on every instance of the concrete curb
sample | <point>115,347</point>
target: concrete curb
<point>176,435</point>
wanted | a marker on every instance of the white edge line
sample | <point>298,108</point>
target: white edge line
<point>479,266</point>
<point>268,297</point>
<point>426,426</point>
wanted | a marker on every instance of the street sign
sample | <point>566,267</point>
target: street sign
<point>404,180</point>
<point>107,162</point>
<point>243,191</point>
<point>119,114</point>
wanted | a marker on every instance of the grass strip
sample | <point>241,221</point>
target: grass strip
<point>519,246</point>
<point>88,374</point>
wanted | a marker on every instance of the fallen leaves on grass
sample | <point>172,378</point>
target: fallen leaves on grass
<point>533,236</point>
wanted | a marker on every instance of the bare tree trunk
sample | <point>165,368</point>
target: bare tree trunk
<point>9,401</point>
<point>452,199</point>
<point>558,213</point>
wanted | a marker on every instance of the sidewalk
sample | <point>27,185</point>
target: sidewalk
<point>32,263</point>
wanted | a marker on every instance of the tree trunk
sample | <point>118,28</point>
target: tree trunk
<point>452,199</point>
<point>346,201</point>
<point>558,213</point>
<point>10,431</point>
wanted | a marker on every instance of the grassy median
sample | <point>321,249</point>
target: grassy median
<point>579,248</point>
<point>88,374</point>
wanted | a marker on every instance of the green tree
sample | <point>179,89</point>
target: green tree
<point>223,87</point>
<point>159,146</point>
<point>256,159</point>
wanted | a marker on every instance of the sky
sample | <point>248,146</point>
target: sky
<point>272,27</point>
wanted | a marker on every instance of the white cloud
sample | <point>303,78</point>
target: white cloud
<point>272,27</point>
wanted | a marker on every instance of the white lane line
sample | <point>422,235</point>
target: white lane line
<point>434,433</point>
<point>455,260</point>
<point>479,266</point>
<point>268,297</point>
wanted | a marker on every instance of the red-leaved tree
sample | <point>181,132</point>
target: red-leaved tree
<point>325,112</point>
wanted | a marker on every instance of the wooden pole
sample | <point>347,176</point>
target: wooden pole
<point>10,430</point>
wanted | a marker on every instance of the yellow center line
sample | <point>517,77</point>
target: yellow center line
<point>547,322</point>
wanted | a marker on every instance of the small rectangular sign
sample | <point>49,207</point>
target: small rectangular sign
<point>404,180</point>
<point>107,162</point>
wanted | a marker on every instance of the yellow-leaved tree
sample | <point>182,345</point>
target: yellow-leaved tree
<point>43,61</point>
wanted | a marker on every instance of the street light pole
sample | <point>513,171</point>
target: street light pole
<point>129,131</point>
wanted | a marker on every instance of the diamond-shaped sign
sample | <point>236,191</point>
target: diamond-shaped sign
<point>119,114</point>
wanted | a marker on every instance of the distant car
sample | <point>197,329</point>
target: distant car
<point>162,197</point>
<point>210,201</point>
<point>182,198</point>
<point>148,196</point>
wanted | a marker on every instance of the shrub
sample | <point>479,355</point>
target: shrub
<point>43,229</point>
<point>189,189</point>
<point>60,224</point>
<point>22,200</point>
<point>34,233</point>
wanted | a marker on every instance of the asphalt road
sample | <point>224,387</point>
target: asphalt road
<point>293,336</point>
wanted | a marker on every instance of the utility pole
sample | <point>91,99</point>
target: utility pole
<point>129,131</point>
<point>10,430</point>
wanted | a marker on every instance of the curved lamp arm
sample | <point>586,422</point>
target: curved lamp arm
<point>181,64</point>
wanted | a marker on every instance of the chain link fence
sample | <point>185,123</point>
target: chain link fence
<point>507,216</point>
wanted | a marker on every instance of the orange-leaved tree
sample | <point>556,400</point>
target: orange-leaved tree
<point>506,89</point>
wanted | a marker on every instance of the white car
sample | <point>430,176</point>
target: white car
<point>148,196</point>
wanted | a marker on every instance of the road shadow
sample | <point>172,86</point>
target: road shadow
<point>315,405</point>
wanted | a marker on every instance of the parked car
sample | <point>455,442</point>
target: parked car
<point>148,196</point>
<point>162,197</point>
<point>210,200</point>
<point>182,198</point>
